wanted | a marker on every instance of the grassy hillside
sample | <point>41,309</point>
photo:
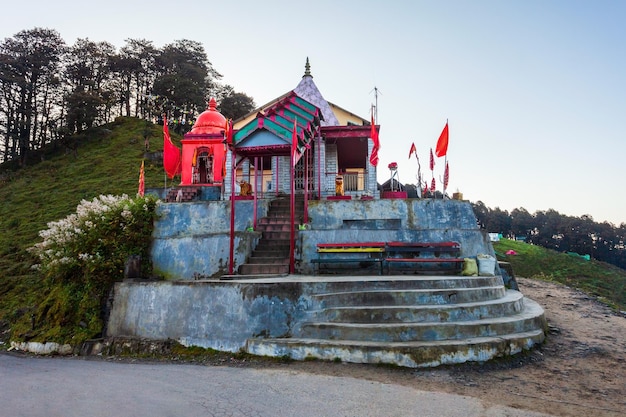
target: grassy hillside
<point>599,279</point>
<point>106,160</point>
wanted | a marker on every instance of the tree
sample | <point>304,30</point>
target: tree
<point>236,105</point>
<point>522,223</point>
<point>88,77</point>
<point>29,67</point>
<point>185,79</point>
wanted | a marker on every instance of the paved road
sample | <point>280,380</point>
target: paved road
<point>65,387</point>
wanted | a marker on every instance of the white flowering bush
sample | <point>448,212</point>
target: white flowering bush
<point>82,255</point>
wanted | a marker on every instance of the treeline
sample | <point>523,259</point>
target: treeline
<point>550,229</point>
<point>50,91</point>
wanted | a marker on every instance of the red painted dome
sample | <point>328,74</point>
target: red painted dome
<point>210,121</point>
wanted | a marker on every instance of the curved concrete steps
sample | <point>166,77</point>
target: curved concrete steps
<point>530,318</point>
<point>410,296</point>
<point>415,322</point>
<point>511,303</point>
<point>415,354</point>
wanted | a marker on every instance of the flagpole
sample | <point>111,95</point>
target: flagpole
<point>445,163</point>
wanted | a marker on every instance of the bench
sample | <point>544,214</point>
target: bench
<point>432,256</point>
<point>361,252</point>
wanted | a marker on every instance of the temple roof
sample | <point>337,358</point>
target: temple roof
<point>279,119</point>
<point>210,121</point>
<point>309,91</point>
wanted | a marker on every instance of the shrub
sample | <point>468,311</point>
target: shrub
<point>82,255</point>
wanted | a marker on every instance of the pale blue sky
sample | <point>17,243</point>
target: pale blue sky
<point>534,91</point>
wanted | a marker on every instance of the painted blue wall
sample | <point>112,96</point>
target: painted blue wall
<point>410,220</point>
<point>192,240</point>
<point>217,315</point>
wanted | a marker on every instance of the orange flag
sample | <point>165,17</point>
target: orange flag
<point>142,184</point>
<point>442,142</point>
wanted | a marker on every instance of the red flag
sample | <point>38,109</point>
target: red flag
<point>142,180</point>
<point>442,142</point>
<point>433,186</point>
<point>171,153</point>
<point>374,136</point>
<point>228,132</point>
<point>425,189</point>
<point>413,150</point>
<point>446,177</point>
<point>432,160</point>
<point>294,144</point>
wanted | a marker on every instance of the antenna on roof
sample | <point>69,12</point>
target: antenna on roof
<point>376,91</point>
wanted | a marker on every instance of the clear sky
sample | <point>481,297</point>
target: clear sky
<point>534,90</point>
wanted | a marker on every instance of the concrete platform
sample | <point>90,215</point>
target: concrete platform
<point>406,320</point>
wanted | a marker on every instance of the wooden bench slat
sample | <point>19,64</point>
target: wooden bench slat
<point>424,244</point>
<point>350,250</point>
<point>352,245</point>
<point>433,260</point>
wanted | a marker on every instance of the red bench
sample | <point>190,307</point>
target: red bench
<point>434,256</point>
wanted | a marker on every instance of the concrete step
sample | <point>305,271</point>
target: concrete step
<point>261,269</point>
<point>512,303</point>
<point>251,277</point>
<point>276,227</point>
<point>408,297</point>
<point>273,218</point>
<point>276,236</point>
<point>270,253</point>
<point>529,319</point>
<point>390,282</point>
<point>269,259</point>
<point>273,245</point>
<point>407,354</point>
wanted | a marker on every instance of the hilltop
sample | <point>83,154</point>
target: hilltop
<point>106,160</point>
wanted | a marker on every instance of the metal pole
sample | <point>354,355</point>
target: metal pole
<point>292,216</point>
<point>231,262</point>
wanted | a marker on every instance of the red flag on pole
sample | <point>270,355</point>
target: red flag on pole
<point>442,142</point>
<point>142,180</point>
<point>413,150</point>
<point>432,160</point>
<point>376,141</point>
<point>446,177</point>
<point>228,132</point>
<point>294,144</point>
<point>171,153</point>
<point>425,189</point>
<point>433,186</point>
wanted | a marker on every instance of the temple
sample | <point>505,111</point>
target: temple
<point>331,144</point>
<point>285,247</point>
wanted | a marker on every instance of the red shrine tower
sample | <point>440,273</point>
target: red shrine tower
<point>204,149</point>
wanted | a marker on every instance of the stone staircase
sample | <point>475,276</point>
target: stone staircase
<point>187,194</point>
<point>271,255</point>
<point>413,322</point>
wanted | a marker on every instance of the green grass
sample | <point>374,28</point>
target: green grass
<point>107,161</point>
<point>602,280</point>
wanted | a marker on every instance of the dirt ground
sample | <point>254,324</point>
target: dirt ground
<point>579,371</point>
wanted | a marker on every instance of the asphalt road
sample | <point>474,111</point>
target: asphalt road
<point>50,387</point>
